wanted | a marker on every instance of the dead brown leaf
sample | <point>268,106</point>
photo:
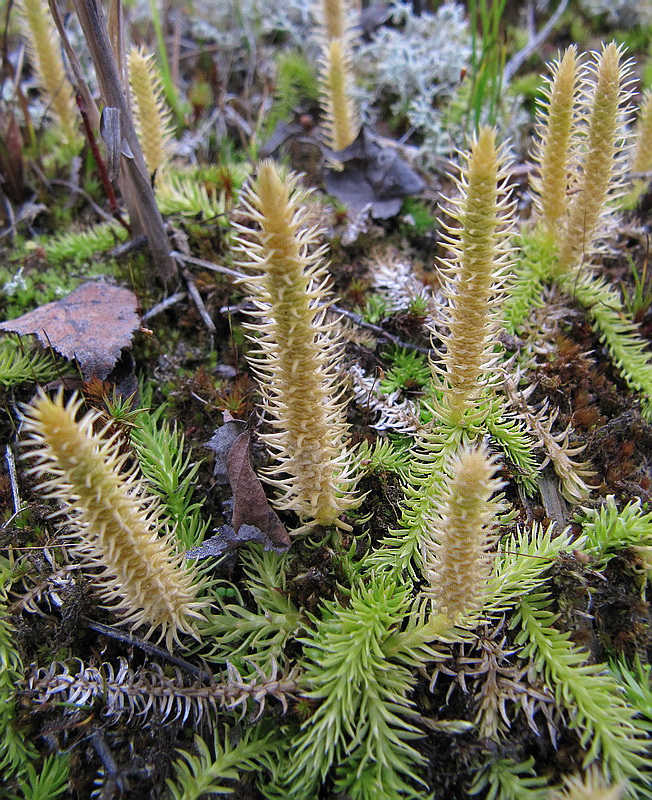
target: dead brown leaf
<point>92,325</point>
<point>373,175</point>
<point>250,506</point>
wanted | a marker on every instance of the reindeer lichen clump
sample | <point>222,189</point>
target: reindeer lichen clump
<point>114,522</point>
<point>297,352</point>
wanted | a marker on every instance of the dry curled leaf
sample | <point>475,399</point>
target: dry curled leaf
<point>92,325</point>
<point>226,540</point>
<point>373,175</point>
<point>221,443</point>
<point>250,506</point>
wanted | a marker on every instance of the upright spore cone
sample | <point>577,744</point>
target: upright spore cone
<point>152,117</point>
<point>456,558</point>
<point>298,351</point>
<point>553,144</point>
<point>474,274</point>
<point>597,179</point>
<point>333,15</point>
<point>341,121</point>
<point>44,50</point>
<point>642,160</point>
<point>115,524</point>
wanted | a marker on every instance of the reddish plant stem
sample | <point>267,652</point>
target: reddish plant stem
<point>101,166</point>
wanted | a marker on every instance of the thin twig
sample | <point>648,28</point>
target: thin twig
<point>130,246</point>
<point>380,332</point>
<point>199,303</point>
<point>109,763</point>
<point>522,56</point>
<point>78,190</point>
<point>200,262</point>
<point>148,647</point>
<point>11,469</point>
<point>159,308</point>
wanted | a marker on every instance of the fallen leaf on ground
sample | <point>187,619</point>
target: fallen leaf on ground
<point>250,506</point>
<point>373,175</point>
<point>221,443</point>
<point>92,325</point>
<point>227,540</point>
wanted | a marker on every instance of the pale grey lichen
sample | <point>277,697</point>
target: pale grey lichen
<point>417,66</point>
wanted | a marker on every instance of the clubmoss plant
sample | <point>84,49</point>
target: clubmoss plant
<point>642,159</point>
<point>189,196</point>
<point>474,273</point>
<point>214,772</point>
<point>595,163</point>
<point>408,370</point>
<point>605,723</point>
<point>635,680</point>
<point>152,694</point>
<point>115,524</point>
<point>171,474</point>
<point>609,529</point>
<point>44,50</point>
<point>608,316</point>
<point>597,176</point>
<point>333,16</point>
<point>341,124</point>
<point>591,786</point>
<point>297,352</point>
<point>386,456</point>
<point>296,84</point>
<point>552,152</point>
<point>16,750</point>
<point>504,779</point>
<point>50,782</point>
<point>464,404</point>
<point>556,445</point>
<point>457,555</point>
<point>77,247</point>
<point>256,639</point>
<point>359,663</point>
<point>522,564</point>
<point>152,117</point>
<point>21,362</point>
